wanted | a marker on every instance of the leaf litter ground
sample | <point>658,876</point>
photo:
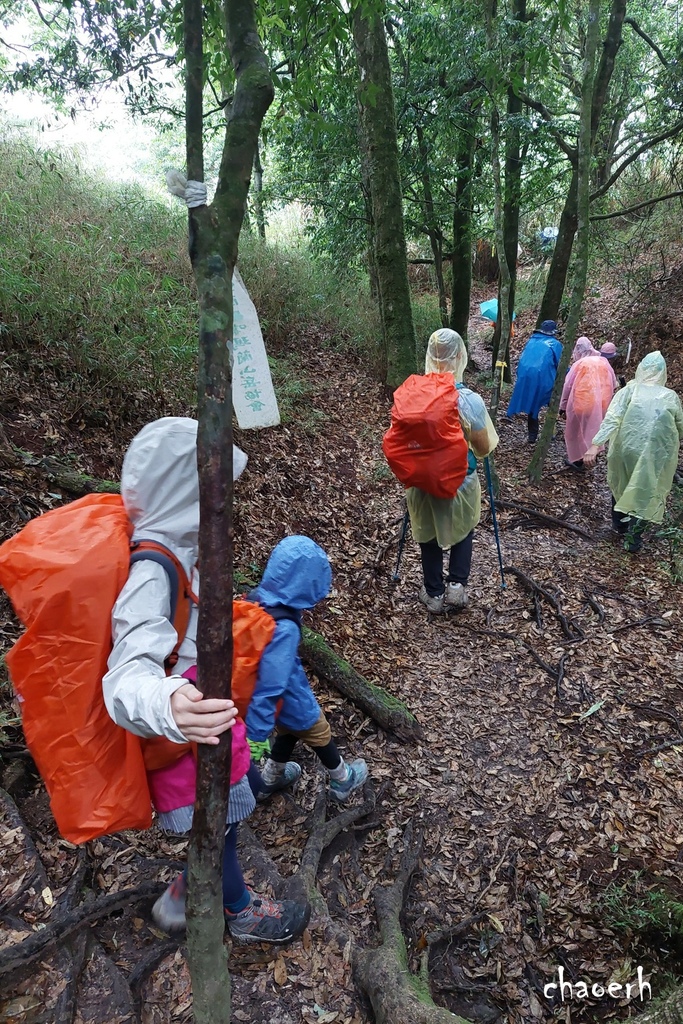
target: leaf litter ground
<point>549,771</point>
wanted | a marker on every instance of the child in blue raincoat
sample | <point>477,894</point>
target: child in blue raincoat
<point>536,375</point>
<point>297,576</point>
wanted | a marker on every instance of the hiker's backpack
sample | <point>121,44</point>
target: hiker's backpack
<point>425,446</point>
<point>63,573</point>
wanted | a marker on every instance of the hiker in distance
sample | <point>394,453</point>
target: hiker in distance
<point>149,687</point>
<point>643,428</point>
<point>443,494</point>
<point>536,372</point>
<point>587,392</point>
<point>297,577</point>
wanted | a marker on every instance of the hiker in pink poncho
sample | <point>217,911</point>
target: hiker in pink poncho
<point>587,392</point>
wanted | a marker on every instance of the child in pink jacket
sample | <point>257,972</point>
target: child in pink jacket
<point>160,489</point>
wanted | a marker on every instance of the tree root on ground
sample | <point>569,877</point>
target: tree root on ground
<point>569,627</point>
<point>389,712</point>
<point>543,517</point>
<point>22,954</point>
<point>382,973</point>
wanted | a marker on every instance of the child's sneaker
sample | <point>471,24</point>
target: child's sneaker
<point>355,777</point>
<point>289,777</point>
<point>265,920</point>
<point>169,910</point>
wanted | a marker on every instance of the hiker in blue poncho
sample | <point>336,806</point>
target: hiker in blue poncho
<point>297,576</point>
<point>536,375</point>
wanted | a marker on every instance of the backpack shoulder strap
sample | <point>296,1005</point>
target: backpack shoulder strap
<point>181,591</point>
<point>281,612</point>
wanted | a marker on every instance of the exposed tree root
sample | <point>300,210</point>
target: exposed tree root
<point>569,627</point>
<point>23,953</point>
<point>669,1011</point>
<point>382,973</point>
<point>543,517</point>
<point>37,878</point>
<point>389,712</point>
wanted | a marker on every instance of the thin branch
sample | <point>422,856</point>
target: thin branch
<point>638,206</point>
<point>549,117</point>
<point>647,145</point>
<point>650,42</point>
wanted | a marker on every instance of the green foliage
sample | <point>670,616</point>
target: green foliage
<point>95,281</point>
<point>637,906</point>
<point>671,532</point>
<point>91,274</point>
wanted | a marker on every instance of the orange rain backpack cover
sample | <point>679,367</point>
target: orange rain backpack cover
<point>425,446</point>
<point>63,573</point>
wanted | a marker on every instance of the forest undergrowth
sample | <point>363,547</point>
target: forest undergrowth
<point>546,785</point>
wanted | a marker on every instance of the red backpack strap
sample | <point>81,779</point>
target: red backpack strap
<point>181,590</point>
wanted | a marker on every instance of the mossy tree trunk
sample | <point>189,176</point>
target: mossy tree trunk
<point>378,134</point>
<point>585,152</point>
<point>257,195</point>
<point>512,192</point>
<point>213,236</point>
<point>461,263</point>
<point>559,266</point>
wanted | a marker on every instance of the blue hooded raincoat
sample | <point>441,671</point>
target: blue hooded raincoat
<point>297,576</point>
<point>535,374</point>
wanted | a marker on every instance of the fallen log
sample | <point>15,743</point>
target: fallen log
<point>64,477</point>
<point>389,712</point>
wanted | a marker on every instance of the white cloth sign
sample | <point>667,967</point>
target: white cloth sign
<point>253,396</point>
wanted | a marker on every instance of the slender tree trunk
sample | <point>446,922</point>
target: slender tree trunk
<point>258,195</point>
<point>513,191</point>
<point>378,133</point>
<point>504,288</point>
<point>557,275</point>
<point>435,236</point>
<point>461,264</point>
<point>214,233</point>
<point>585,152</point>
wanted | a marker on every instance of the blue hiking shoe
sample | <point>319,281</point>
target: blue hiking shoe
<point>357,773</point>
<point>289,777</point>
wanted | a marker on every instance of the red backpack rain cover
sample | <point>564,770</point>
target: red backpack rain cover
<point>425,446</point>
<point>63,573</point>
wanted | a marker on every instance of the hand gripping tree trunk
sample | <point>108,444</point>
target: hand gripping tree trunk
<point>378,133</point>
<point>214,232</point>
<point>585,151</point>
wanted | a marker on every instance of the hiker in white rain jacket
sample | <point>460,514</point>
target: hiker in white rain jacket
<point>160,490</point>
<point>643,427</point>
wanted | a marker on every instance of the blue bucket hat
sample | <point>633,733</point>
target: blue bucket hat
<point>548,327</point>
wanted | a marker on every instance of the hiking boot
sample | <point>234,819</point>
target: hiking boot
<point>169,910</point>
<point>456,596</point>
<point>289,777</point>
<point>357,773</point>
<point>266,920</point>
<point>432,604</point>
<point>532,438</point>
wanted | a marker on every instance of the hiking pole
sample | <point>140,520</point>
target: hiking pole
<point>489,481</point>
<point>401,544</point>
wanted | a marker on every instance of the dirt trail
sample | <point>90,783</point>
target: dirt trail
<point>533,784</point>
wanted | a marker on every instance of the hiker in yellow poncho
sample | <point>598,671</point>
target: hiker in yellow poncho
<point>644,427</point>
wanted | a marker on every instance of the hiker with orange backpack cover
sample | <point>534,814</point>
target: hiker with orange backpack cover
<point>297,577</point>
<point>439,523</point>
<point>160,491</point>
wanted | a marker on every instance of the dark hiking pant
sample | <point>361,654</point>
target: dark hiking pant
<point>532,426</point>
<point>630,527</point>
<point>459,564</point>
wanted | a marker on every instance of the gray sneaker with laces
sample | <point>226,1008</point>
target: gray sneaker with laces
<point>267,920</point>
